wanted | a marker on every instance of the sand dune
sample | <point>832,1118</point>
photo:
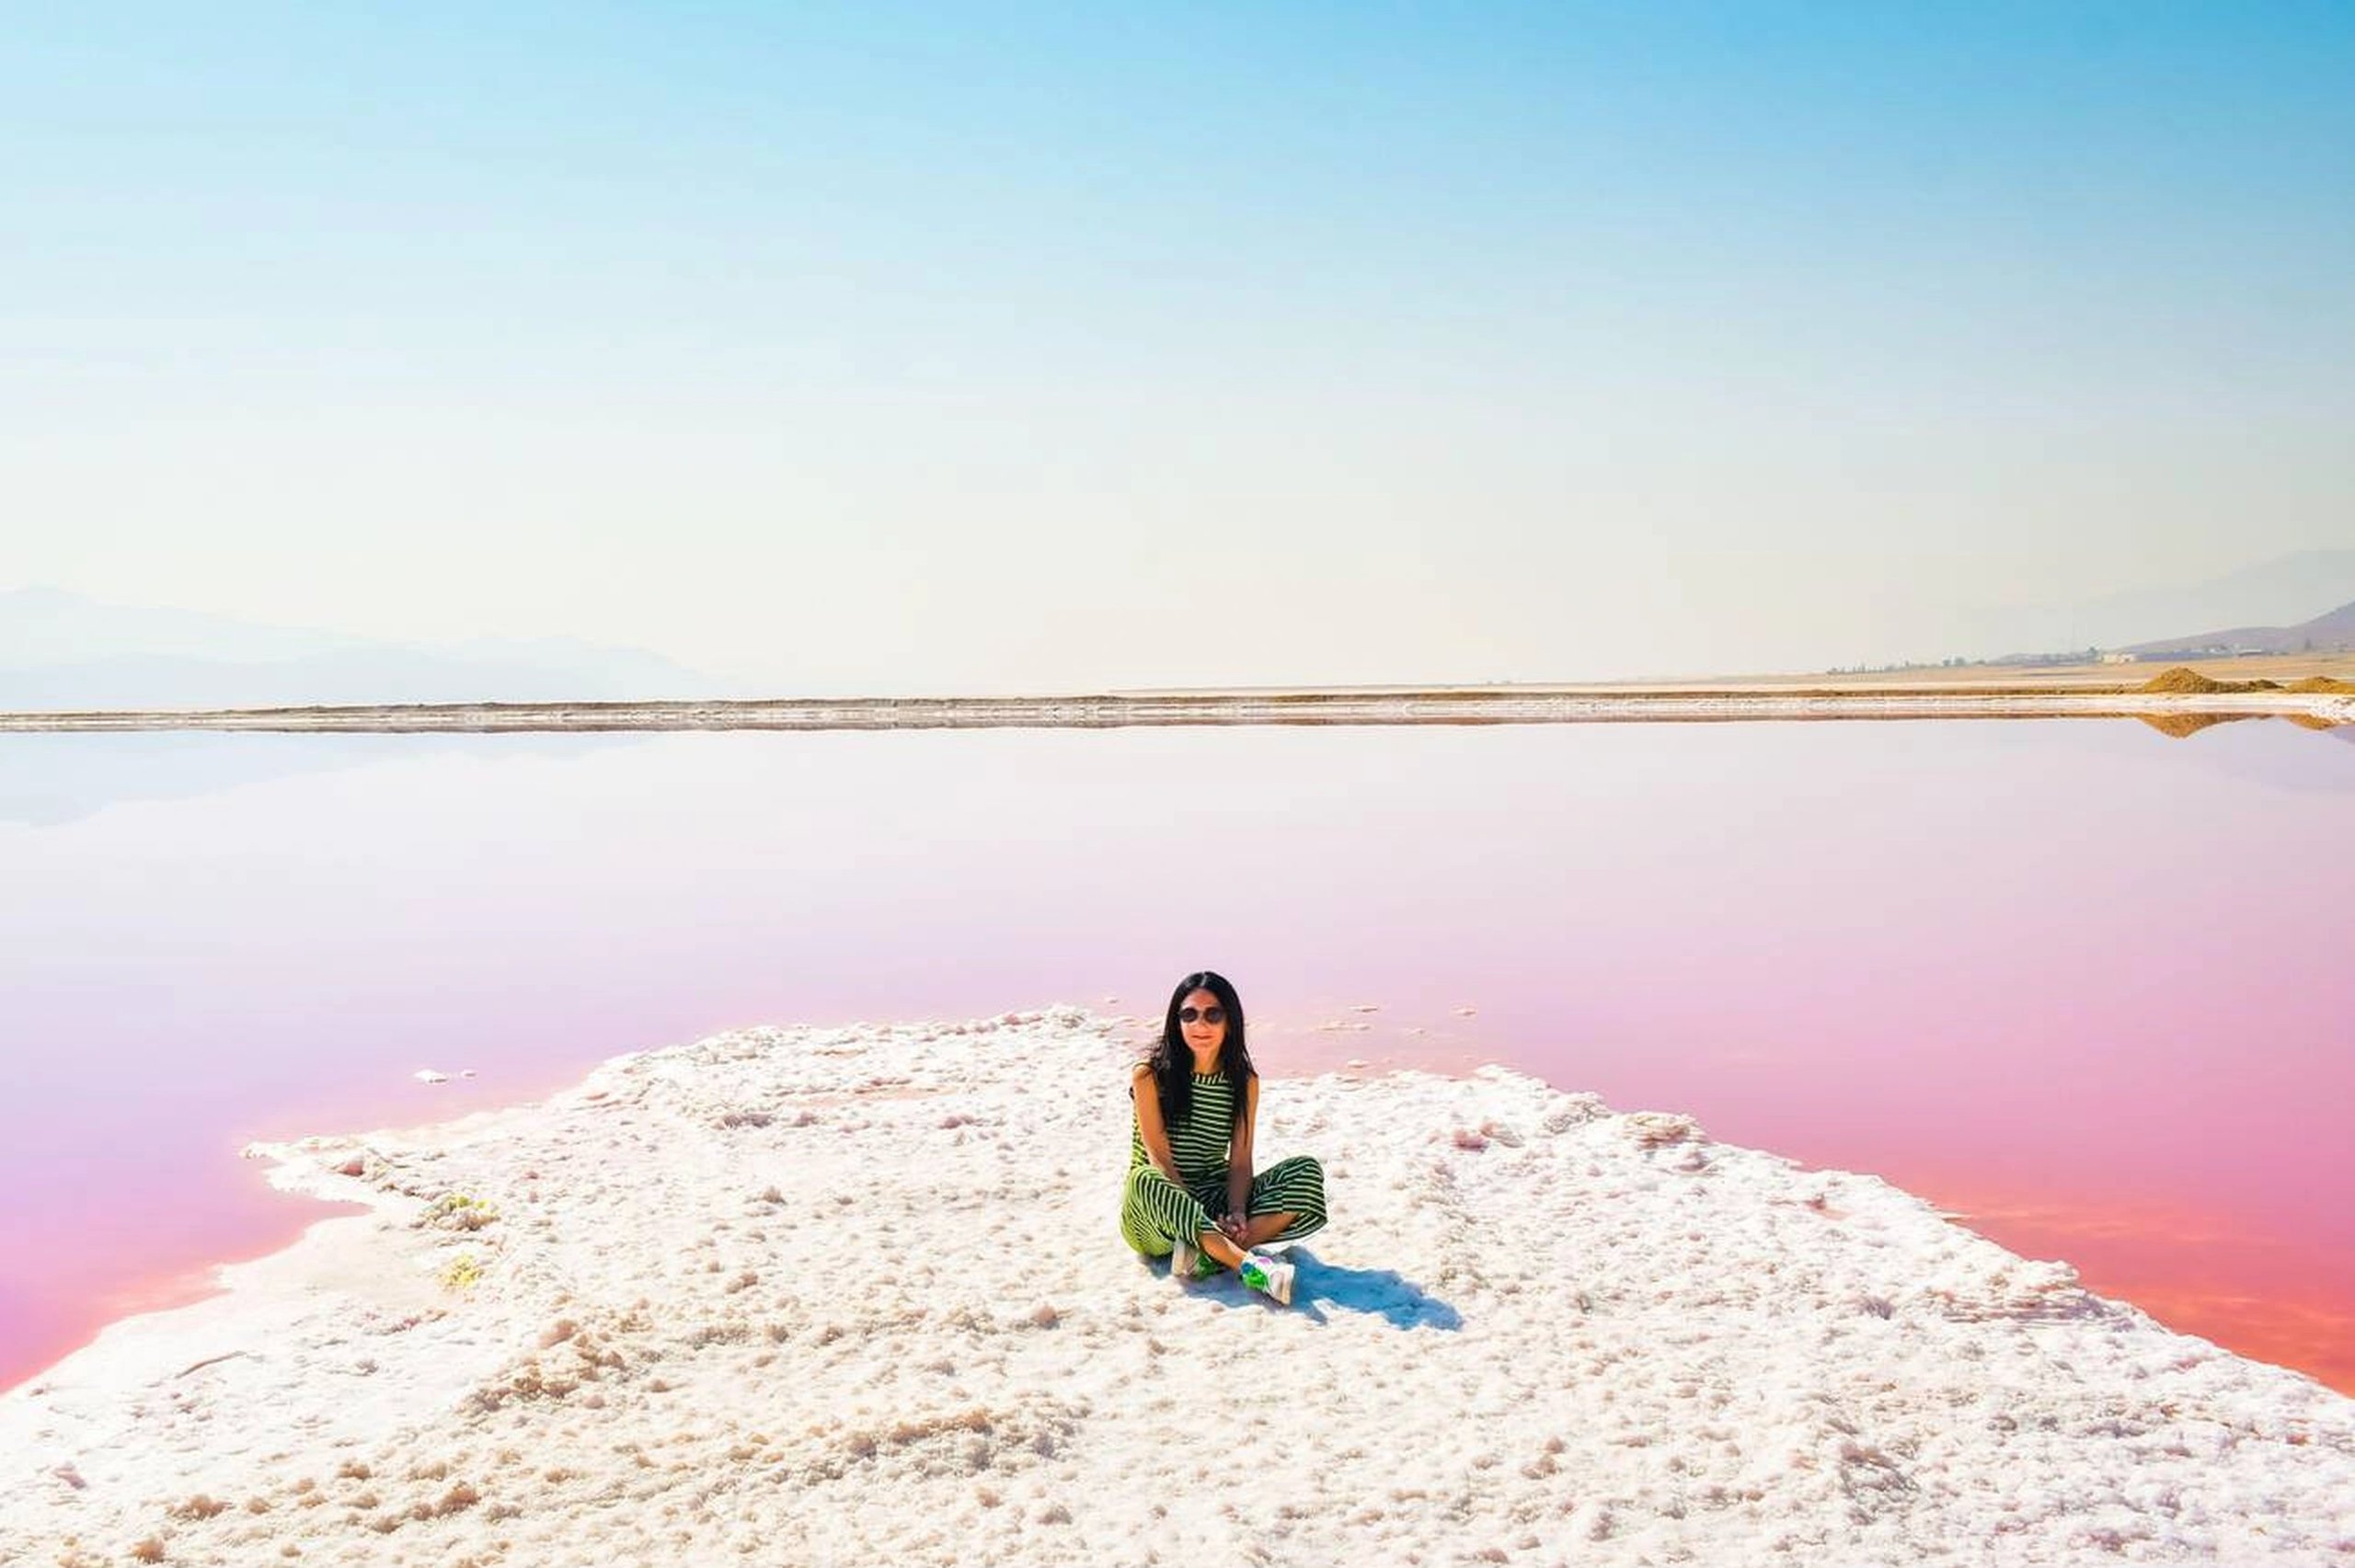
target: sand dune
<point>858,1296</point>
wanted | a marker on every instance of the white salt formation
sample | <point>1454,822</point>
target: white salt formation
<point>804,1297</point>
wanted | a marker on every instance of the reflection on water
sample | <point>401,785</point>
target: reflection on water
<point>2081,980</point>
<point>47,780</point>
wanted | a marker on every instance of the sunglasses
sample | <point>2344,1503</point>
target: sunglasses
<point>1207,1014</point>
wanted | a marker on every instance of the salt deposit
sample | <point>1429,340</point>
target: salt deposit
<point>858,1296</point>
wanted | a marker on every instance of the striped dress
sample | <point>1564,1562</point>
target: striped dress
<point>1156,1213</point>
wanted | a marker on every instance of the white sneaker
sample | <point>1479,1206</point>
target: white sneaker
<point>1268,1274</point>
<point>1183,1259</point>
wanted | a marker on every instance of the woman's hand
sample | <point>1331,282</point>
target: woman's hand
<point>1234,1225</point>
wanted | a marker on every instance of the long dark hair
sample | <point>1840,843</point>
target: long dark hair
<point>1173,1061</point>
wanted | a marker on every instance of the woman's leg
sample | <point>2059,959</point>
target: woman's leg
<point>1156,1213</point>
<point>1287,1201</point>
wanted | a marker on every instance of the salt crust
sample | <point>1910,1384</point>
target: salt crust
<point>857,1295</point>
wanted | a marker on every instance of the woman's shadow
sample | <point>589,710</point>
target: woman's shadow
<point>1378,1292</point>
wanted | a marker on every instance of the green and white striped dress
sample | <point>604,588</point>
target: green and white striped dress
<point>1155,1213</point>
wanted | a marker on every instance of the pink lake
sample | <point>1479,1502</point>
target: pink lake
<point>2082,984</point>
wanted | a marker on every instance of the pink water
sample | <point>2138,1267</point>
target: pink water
<point>2085,984</point>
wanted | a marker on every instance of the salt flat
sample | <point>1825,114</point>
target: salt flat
<point>858,1295</point>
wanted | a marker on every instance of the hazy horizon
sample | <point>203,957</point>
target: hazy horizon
<point>898,349</point>
<point>61,649</point>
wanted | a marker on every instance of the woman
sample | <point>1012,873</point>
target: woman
<point>1192,1195</point>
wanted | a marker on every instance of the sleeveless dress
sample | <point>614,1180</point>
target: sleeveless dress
<point>1156,1212</point>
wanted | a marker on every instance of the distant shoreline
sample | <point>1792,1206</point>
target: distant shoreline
<point>1592,704</point>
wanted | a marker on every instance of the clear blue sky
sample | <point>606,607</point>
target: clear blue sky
<point>992,346</point>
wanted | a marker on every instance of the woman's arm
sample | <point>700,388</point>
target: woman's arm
<point>1148,1095</point>
<point>1239,1156</point>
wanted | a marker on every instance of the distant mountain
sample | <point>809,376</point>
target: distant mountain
<point>2331,632</point>
<point>2286,591</point>
<point>2276,593</point>
<point>59,651</point>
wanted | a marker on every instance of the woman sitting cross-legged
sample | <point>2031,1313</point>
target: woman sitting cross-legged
<point>1192,1195</point>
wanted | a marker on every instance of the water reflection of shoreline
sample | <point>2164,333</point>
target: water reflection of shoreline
<point>48,780</point>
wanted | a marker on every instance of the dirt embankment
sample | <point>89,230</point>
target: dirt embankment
<point>2181,679</point>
